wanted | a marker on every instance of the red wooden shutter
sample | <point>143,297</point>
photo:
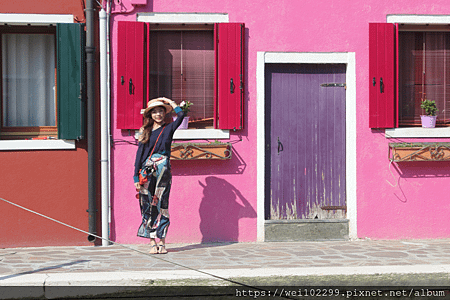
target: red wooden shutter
<point>229,75</point>
<point>382,100</point>
<point>396,86</point>
<point>130,74</point>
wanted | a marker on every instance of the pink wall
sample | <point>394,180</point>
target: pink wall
<point>217,200</point>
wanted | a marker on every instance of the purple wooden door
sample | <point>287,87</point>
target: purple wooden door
<point>305,134</point>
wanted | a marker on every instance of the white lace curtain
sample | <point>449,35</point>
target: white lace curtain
<point>28,80</point>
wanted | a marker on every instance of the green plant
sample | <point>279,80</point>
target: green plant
<point>216,142</point>
<point>429,106</point>
<point>185,106</point>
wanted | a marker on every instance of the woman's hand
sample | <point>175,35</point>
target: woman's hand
<point>138,186</point>
<point>169,101</point>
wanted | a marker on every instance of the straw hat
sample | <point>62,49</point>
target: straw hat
<point>158,102</point>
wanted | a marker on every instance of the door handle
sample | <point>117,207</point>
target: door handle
<point>130,87</point>
<point>231,86</point>
<point>374,81</point>
<point>381,85</point>
<point>280,146</point>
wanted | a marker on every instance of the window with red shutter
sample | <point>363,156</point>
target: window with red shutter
<point>407,64</point>
<point>185,63</point>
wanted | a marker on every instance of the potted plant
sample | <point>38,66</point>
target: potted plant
<point>185,106</point>
<point>429,119</point>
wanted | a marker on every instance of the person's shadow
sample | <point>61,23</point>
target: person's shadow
<point>220,210</point>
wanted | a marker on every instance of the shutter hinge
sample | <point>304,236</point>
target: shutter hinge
<point>241,85</point>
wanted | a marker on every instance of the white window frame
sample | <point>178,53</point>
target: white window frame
<point>347,58</point>
<point>35,19</point>
<point>189,18</point>
<point>418,132</point>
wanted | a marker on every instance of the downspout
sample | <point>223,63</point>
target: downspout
<point>90,87</point>
<point>108,91</point>
<point>104,120</point>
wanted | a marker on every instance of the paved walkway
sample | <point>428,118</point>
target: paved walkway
<point>116,258</point>
<point>117,265</point>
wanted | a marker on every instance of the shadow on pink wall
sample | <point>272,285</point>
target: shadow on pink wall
<point>410,170</point>
<point>422,169</point>
<point>221,208</point>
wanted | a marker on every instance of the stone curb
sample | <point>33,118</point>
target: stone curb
<point>138,277</point>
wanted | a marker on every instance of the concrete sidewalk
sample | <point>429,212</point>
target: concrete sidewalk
<point>325,263</point>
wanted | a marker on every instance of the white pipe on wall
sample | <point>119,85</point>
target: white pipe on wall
<point>108,91</point>
<point>104,120</point>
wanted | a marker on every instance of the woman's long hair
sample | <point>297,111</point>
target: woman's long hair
<point>146,129</point>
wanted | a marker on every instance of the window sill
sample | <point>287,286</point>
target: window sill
<point>418,132</point>
<point>198,134</point>
<point>37,145</point>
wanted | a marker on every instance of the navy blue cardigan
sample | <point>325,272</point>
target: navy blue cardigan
<point>164,143</point>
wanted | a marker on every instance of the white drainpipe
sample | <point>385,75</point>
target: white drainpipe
<point>104,119</point>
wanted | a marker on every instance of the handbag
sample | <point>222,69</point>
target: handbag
<point>147,171</point>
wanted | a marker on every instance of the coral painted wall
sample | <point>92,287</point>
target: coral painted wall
<point>53,183</point>
<point>74,7</point>
<point>50,182</point>
<point>217,200</point>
